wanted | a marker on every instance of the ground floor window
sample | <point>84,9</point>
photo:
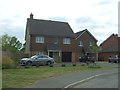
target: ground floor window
<point>39,53</point>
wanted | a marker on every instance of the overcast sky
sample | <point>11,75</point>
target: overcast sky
<point>100,17</point>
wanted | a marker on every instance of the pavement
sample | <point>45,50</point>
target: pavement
<point>68,79</point>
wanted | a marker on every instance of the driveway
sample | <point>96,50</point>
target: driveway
<point>65,80</point>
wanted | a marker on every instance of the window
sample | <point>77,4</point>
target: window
<point>66,40</point>
<point>39,53</point>
<point>55,40</point>
<point>81,43</point>
<point>90,44</point>
<point>39,39</point>
<point>42,56</point>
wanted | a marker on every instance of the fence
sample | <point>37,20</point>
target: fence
<point>14,55</point>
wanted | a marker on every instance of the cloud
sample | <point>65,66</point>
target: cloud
<point>104,2</point>
<point>64,19</point>
<point>98,16</point>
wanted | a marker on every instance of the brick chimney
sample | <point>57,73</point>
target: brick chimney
<point>31,16</point>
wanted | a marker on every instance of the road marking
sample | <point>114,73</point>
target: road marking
<point>81,81</point>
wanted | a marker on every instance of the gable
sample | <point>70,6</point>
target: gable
<point>86,34</point>
<point>111,41</point>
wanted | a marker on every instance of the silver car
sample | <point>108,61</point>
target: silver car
<point>114,59</point>
<point>37,60</point>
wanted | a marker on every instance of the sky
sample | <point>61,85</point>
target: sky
<point>100,17</point>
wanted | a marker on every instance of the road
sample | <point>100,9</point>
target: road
<point>64,80</point>
<point>103,81</point>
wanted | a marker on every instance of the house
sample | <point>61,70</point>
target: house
<point>56,39</point>
<point>109,47</point>
<point>85,42</point>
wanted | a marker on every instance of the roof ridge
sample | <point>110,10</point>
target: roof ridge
<point>108,38</point>
<point>48,20</point>
<point>80,31</point>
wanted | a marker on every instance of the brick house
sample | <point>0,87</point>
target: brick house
<point>56,39</point>
<point>109,47</point>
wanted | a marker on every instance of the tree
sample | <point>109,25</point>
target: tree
<point>23,48</point>
<point>95,49</point>
<point>11,44</point>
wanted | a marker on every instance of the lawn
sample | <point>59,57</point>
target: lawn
<point>17,78</point>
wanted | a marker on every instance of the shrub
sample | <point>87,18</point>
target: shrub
<point>63,65</point>
<point>37,66</point>
<point>7,63</point>
<point>94,66</point>
<point>58,59</point>
<point>74,64</point>
<point>51,65</point>
<point>28,66</point>
<point>87,63</point>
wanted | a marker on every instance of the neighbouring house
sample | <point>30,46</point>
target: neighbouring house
<point>109,47</point>
<point>56,39</point>
<point>86,42</point>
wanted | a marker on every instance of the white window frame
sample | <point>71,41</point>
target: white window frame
<point>66,41</point>
<point>81,43</point>
<point>39,39</point>
<point>55,40</point>
<point>39,53</point>
<point>90,44</point>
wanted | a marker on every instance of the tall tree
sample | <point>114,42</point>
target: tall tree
<point>11,44</point>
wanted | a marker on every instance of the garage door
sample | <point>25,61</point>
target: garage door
<point>66,56</point>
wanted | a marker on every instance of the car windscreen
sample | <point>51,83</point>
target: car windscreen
<point>34,56</point>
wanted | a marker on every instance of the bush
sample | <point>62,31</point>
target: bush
<point>58,59</point>
<point>74,64</point>
<point>87,63</point>
<point>27,66</point>
<point>37,66</point>
<point>51,65</point>
<point>63,65</point>
<point>7,63</point>
<point>94,66</point>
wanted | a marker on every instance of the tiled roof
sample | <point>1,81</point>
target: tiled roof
<point>48,27</point>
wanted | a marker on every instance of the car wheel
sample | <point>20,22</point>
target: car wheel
<point>49,63</point>
<point>29,63</point>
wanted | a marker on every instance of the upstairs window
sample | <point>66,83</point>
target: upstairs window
<point>55,40</point>
<point>90,44</point>
<point>81,43</point>
<point>39,39</point>
<point>66,41</point>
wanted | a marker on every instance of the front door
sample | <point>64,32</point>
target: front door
<point>51,54</point>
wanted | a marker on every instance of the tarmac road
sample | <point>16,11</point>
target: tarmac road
<point>64,80</point>
<point>103,81</point>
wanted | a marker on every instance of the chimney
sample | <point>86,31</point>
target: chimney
<point>31,16</point>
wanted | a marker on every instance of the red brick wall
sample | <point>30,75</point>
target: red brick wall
<point>105,55</point>
<point>111,41</point>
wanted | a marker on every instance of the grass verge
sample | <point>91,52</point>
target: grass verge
<point>17,78</point>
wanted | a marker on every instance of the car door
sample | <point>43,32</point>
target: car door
<point>36,60</point>
<point>45,59</point>
<point>41,60</point>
